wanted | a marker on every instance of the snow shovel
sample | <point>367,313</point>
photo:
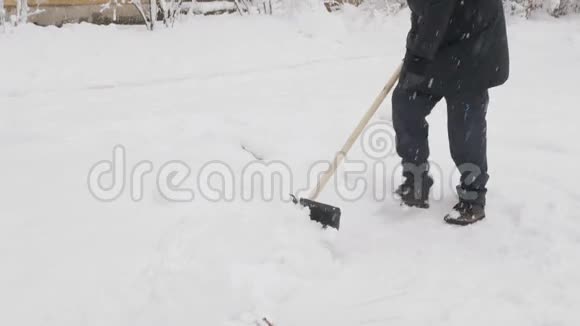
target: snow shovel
<point>329,215</point>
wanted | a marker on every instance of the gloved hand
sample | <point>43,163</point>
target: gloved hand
<point>413,73</point>
<point>415,64</point>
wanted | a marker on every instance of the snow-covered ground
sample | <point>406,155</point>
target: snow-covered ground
<point>289,89</point>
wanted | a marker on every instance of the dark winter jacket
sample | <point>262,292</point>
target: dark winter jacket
<point>457,45</point>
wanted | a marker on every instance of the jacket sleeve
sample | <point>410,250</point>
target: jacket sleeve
<point>430,28</point>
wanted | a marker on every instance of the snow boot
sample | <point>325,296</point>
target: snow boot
<point>465,213</point>
<point>415,193</point>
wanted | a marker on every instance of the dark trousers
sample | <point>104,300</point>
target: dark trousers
<point>466,127</point>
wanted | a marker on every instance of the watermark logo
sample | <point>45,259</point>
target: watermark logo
<point>374,174</point>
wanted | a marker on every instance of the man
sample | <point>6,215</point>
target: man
<point>457,50</point>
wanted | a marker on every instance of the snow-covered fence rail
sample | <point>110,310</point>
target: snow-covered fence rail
<point>58,12</point>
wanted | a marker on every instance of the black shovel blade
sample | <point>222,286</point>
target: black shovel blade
<point>322,213</point>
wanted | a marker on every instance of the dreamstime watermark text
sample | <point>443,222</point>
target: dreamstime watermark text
<point>373,175</point>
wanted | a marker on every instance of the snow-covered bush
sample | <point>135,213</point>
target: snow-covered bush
<point>249,7</point>
<point>2,14</point>
<point>555,8</point>
<point>21,15</point>
<point>16,16</point>
<point>525,8</point>
<point>151,11</point>
<point>387,6</point>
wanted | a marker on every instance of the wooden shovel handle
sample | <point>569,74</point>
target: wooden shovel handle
<point>355,134</point>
